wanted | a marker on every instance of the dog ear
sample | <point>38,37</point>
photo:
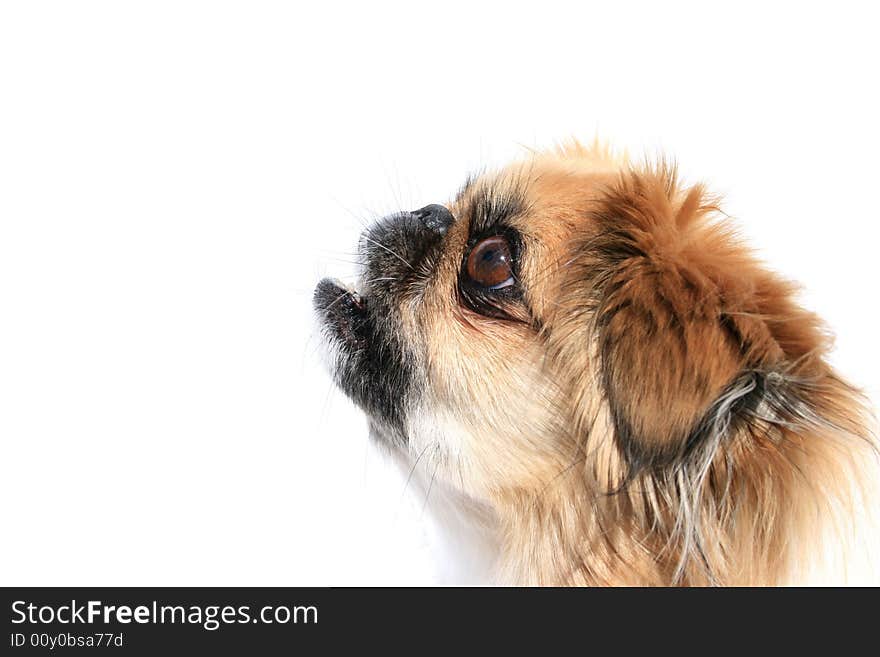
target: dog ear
<point>678,313</point>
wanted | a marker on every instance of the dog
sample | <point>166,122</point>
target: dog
<point>584,350</point>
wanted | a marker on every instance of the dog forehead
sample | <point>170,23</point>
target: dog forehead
<point>543,198</point>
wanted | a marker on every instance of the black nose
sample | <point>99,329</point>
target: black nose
<point>435,217</point>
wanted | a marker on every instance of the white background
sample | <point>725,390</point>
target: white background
<point>176,177</point>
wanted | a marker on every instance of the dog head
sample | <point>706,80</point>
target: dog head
<point>573,316</point>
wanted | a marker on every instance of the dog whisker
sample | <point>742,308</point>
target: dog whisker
<point>392,252</point>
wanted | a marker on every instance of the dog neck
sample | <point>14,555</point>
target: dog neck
<point>560,537</point>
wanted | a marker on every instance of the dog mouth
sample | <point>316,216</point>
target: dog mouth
<point>374,355</point>
<point>343,311</point>
<point>368,361</point>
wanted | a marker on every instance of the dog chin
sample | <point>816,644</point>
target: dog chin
<point>367,360</point>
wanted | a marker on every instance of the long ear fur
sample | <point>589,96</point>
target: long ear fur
<point>737,435</point>
<point>680,311</point>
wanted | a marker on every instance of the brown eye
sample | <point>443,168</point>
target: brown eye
<point>488,263</point>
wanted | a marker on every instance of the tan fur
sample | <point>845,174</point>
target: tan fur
<point>650,323</point>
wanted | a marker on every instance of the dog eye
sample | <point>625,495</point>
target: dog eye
<point>488,263</point>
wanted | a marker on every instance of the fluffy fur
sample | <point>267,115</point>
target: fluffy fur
<point>651,406</point>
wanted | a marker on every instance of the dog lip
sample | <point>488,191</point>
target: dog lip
<point>330,292</point>
<point>343,312</point>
